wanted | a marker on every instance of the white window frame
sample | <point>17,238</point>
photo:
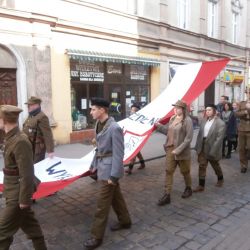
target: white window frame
<point>212,19</point>
<point>235,27</point>
<point>183,14</point>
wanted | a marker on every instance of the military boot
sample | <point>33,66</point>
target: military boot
<point>129,170</point>
<point>142,162</point>
<point>220,181</point>
<point>201,186</point>
<point>39,244</point>
<point>187,193</point>
<point>165,199</point>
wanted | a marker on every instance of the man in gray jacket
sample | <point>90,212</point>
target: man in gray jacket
<point>209,146</point>
<point>108,162</point>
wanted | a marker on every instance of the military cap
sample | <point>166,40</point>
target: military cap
<point>10,113</point>
<point>211,106</point>
<point>135,105</point>
<point>34,100</point>
<point>101,102</point>
<point>180,104</point>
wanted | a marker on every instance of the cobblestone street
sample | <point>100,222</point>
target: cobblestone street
<point>215,219</point>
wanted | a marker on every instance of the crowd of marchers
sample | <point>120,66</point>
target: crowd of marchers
<point>223,128</point>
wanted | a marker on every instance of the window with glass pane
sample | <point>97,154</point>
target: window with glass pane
<point>79,106</point>
<point>212,18</point>
<point>235,25</point>
<point>183,13</point>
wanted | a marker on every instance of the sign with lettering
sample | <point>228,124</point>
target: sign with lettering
<point>114,68</point>
<point>87,71</point>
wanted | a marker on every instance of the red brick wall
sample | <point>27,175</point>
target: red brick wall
<point>83,136</point>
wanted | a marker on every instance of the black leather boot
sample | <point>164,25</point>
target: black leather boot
<point>187,193</point>
<point>142,164</point>
<point>201,186</point>
<point>165,199</point>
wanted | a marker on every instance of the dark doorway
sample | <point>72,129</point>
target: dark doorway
<point>209,94</point>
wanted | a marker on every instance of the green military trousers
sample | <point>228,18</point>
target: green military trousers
<point>170,169</point>
<point>12,218</point>
<point>109,195</point>
<point>244,145</point>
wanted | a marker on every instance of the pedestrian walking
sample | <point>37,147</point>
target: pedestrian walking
<point>38,130</point>
<point>229,118</point>
<point>179,133</point>
<point>135,108</point>
<point>243,114</point>
<point>108,162</point>
<point>209,146</point>
<point>220,106</point>
<point>19,183</point>
<point>235,106</point>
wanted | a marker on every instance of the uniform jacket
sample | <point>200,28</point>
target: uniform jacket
<point>109,141</point>
<point>213,141</point>
<point>18,154</point>
<point>44,137</point>
<point>244,116</point>
<point>183,134</point>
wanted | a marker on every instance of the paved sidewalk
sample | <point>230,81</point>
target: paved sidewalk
<point>216,219</point>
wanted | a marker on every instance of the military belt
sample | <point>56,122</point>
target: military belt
<point>103,155</point>
<point>11,171</point>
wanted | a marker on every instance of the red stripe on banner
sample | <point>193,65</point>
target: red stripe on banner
<point>205,77</point>
<point>1,187</point>
<point>47,188</point>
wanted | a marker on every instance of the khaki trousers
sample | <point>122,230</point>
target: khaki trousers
<point>203,163</point>
<point>172,163</point>
<point>109,195</point>
<point>12,218</point>
<point>244,146</point>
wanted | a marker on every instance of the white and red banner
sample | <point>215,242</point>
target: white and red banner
<point>188,83</point>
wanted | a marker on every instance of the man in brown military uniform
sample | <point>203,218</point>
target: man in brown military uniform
<point>19,183</point>
<point>243,113</point>
<point>37,128</point>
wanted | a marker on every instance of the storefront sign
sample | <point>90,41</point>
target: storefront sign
<point>87,71</point>
<point>114,68</point>
<point>138,72</point>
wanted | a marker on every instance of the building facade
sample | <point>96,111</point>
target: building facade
<point>68,51</point>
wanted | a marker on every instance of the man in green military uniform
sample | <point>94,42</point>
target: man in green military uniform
<point>37,128</point>
<point>243,113</point>
<point>19,183</point>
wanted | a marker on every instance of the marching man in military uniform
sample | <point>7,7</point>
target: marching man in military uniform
<point>243,113</point>
<point>108,161</point>
<point>19,183</point>
<point>37,128</point>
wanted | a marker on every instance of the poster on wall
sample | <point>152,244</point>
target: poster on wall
<point>87,71</point>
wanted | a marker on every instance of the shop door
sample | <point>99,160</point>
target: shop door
<point>116,102</point>
<point>8,90</point>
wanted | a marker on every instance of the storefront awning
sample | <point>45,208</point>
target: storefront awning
<point>91,56</point>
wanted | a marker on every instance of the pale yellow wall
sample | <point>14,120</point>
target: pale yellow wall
<point>61,99</point>
<point>155,82</point>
